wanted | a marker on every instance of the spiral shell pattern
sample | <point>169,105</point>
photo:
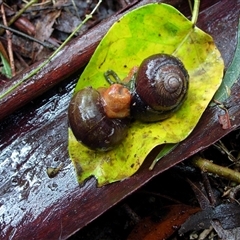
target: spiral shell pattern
<point>162,82</point>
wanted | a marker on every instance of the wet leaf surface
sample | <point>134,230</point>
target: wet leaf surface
<point>32,205</point>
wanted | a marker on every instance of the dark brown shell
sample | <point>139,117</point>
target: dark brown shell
<point>160,88</point>
<point>89,123</point>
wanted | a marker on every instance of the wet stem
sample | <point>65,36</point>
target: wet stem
<point>195,12</point>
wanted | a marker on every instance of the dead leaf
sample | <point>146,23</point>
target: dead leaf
<point>227,214</point>
<point>232,234</point>
<point>44,30</point>
<point>170,220</point>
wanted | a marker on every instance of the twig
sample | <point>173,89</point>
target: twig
<point>87,17</point>
<point>9,42</point>
<point>223,148</point>
<point>190,6</point>
<point>75,7</point>
<point>195,12</point>
<point>28,37</point>
<point>18,14</point>
<point>208,189</point>
<point>207,166</point>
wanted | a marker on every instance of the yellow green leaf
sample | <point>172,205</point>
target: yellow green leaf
<point>153,28</point>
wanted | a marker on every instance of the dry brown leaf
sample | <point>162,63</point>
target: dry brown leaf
<point>44,29</point>
<point>171,219</point>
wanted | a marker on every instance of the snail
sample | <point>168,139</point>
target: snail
<point>158,87</point>
<point>161,85</point>
<point>99,118</point>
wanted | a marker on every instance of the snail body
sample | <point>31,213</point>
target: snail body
<point>90,124</point>
<point>161,85</point>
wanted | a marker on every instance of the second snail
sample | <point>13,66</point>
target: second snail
<point>99,119</point>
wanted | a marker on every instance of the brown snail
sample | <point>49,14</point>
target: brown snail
<point>96,121</point>
<point>160,88</point>
<point>100,118</point>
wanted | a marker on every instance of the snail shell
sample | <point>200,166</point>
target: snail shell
<point>90,124</point>
<point>160,88</point>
